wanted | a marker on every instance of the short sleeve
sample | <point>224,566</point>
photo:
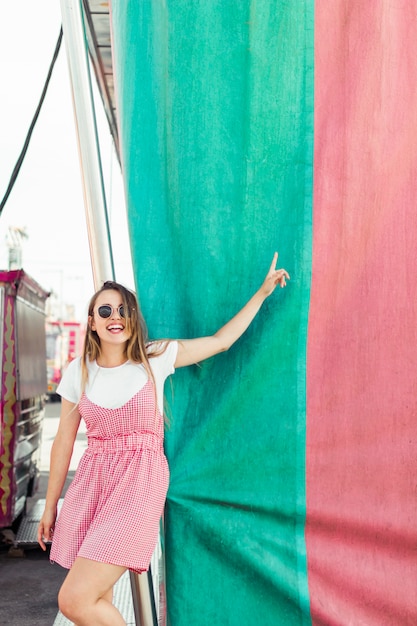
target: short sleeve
<point>70,385</point>
<point>163,363</point>
<point>162,355</point>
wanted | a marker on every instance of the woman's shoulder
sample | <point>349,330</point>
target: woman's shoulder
<point>70,380</point>
<point>74,365</point>
<point>162,355</point>
<point>160,347</point>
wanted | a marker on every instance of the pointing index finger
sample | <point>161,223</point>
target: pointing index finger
<point>274,262</point>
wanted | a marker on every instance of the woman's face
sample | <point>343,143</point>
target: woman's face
<point>110,329</point>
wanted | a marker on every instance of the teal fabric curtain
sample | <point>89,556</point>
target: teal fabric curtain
<point>216,120</point>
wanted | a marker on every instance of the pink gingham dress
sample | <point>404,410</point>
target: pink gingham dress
<point>112,509</point>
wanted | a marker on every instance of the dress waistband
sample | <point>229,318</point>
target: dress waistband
<point>130,441</point>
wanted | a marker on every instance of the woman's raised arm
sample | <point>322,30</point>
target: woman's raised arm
<point>192,351</point>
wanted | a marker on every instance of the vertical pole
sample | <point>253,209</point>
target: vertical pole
<point>88,146</point>
<point>143,599</point>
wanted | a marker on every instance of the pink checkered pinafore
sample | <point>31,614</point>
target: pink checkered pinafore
<point>112,509</point>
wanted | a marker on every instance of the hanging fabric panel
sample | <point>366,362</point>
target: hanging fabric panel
<point>362,357</point>
<point>216,135</point>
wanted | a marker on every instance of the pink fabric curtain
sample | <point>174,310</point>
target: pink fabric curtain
<point>362,344</point>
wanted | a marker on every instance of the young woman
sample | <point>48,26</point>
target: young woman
<point>109,521</point>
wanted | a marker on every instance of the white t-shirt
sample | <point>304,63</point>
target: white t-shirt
<point>112,387</point>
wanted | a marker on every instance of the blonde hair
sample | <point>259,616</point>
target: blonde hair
<point>136,349</point>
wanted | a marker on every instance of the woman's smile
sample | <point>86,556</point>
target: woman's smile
<point>115,329</point>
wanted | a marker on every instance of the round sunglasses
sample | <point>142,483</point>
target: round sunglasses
<point>105,310</point>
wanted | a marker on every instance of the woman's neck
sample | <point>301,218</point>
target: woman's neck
<point>109,358</point>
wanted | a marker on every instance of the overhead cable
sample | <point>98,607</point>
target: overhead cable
<point>32,126</point>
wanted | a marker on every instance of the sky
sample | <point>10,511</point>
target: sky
<point>47,199</point>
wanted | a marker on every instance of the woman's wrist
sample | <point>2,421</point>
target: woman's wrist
<point>51,503</point>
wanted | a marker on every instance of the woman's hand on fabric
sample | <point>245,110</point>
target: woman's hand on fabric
<point>196,350</point>
<point>274,278</point>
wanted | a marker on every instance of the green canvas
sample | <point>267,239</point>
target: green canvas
<point>216,120</point>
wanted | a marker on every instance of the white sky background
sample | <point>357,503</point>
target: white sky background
<point>47,198</point>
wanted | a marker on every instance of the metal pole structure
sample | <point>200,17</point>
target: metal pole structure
<point>88,145</point>
<point>143,599</point>
<point>96,215</point>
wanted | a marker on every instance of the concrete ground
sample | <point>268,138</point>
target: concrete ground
<point>29,583</point>
<point>29,586</point>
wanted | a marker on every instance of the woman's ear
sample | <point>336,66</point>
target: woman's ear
<point>91,323</point>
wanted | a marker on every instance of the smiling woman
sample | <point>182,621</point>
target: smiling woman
<point>108,322</point>
<point>122,480</point>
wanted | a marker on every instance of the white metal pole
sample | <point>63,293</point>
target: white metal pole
<point>143,599</point>
<point>88,145</point>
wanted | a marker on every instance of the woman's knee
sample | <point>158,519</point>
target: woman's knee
<point>71,603</point>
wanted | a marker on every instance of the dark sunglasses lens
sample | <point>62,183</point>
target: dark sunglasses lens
<point>104,311</point>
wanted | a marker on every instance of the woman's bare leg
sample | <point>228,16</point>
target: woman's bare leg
<point>85,596</point>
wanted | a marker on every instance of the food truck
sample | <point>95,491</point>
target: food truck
<point>23,389</point>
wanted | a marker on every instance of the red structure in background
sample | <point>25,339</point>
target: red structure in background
<point>64,342</point>
<point>22,391</point>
